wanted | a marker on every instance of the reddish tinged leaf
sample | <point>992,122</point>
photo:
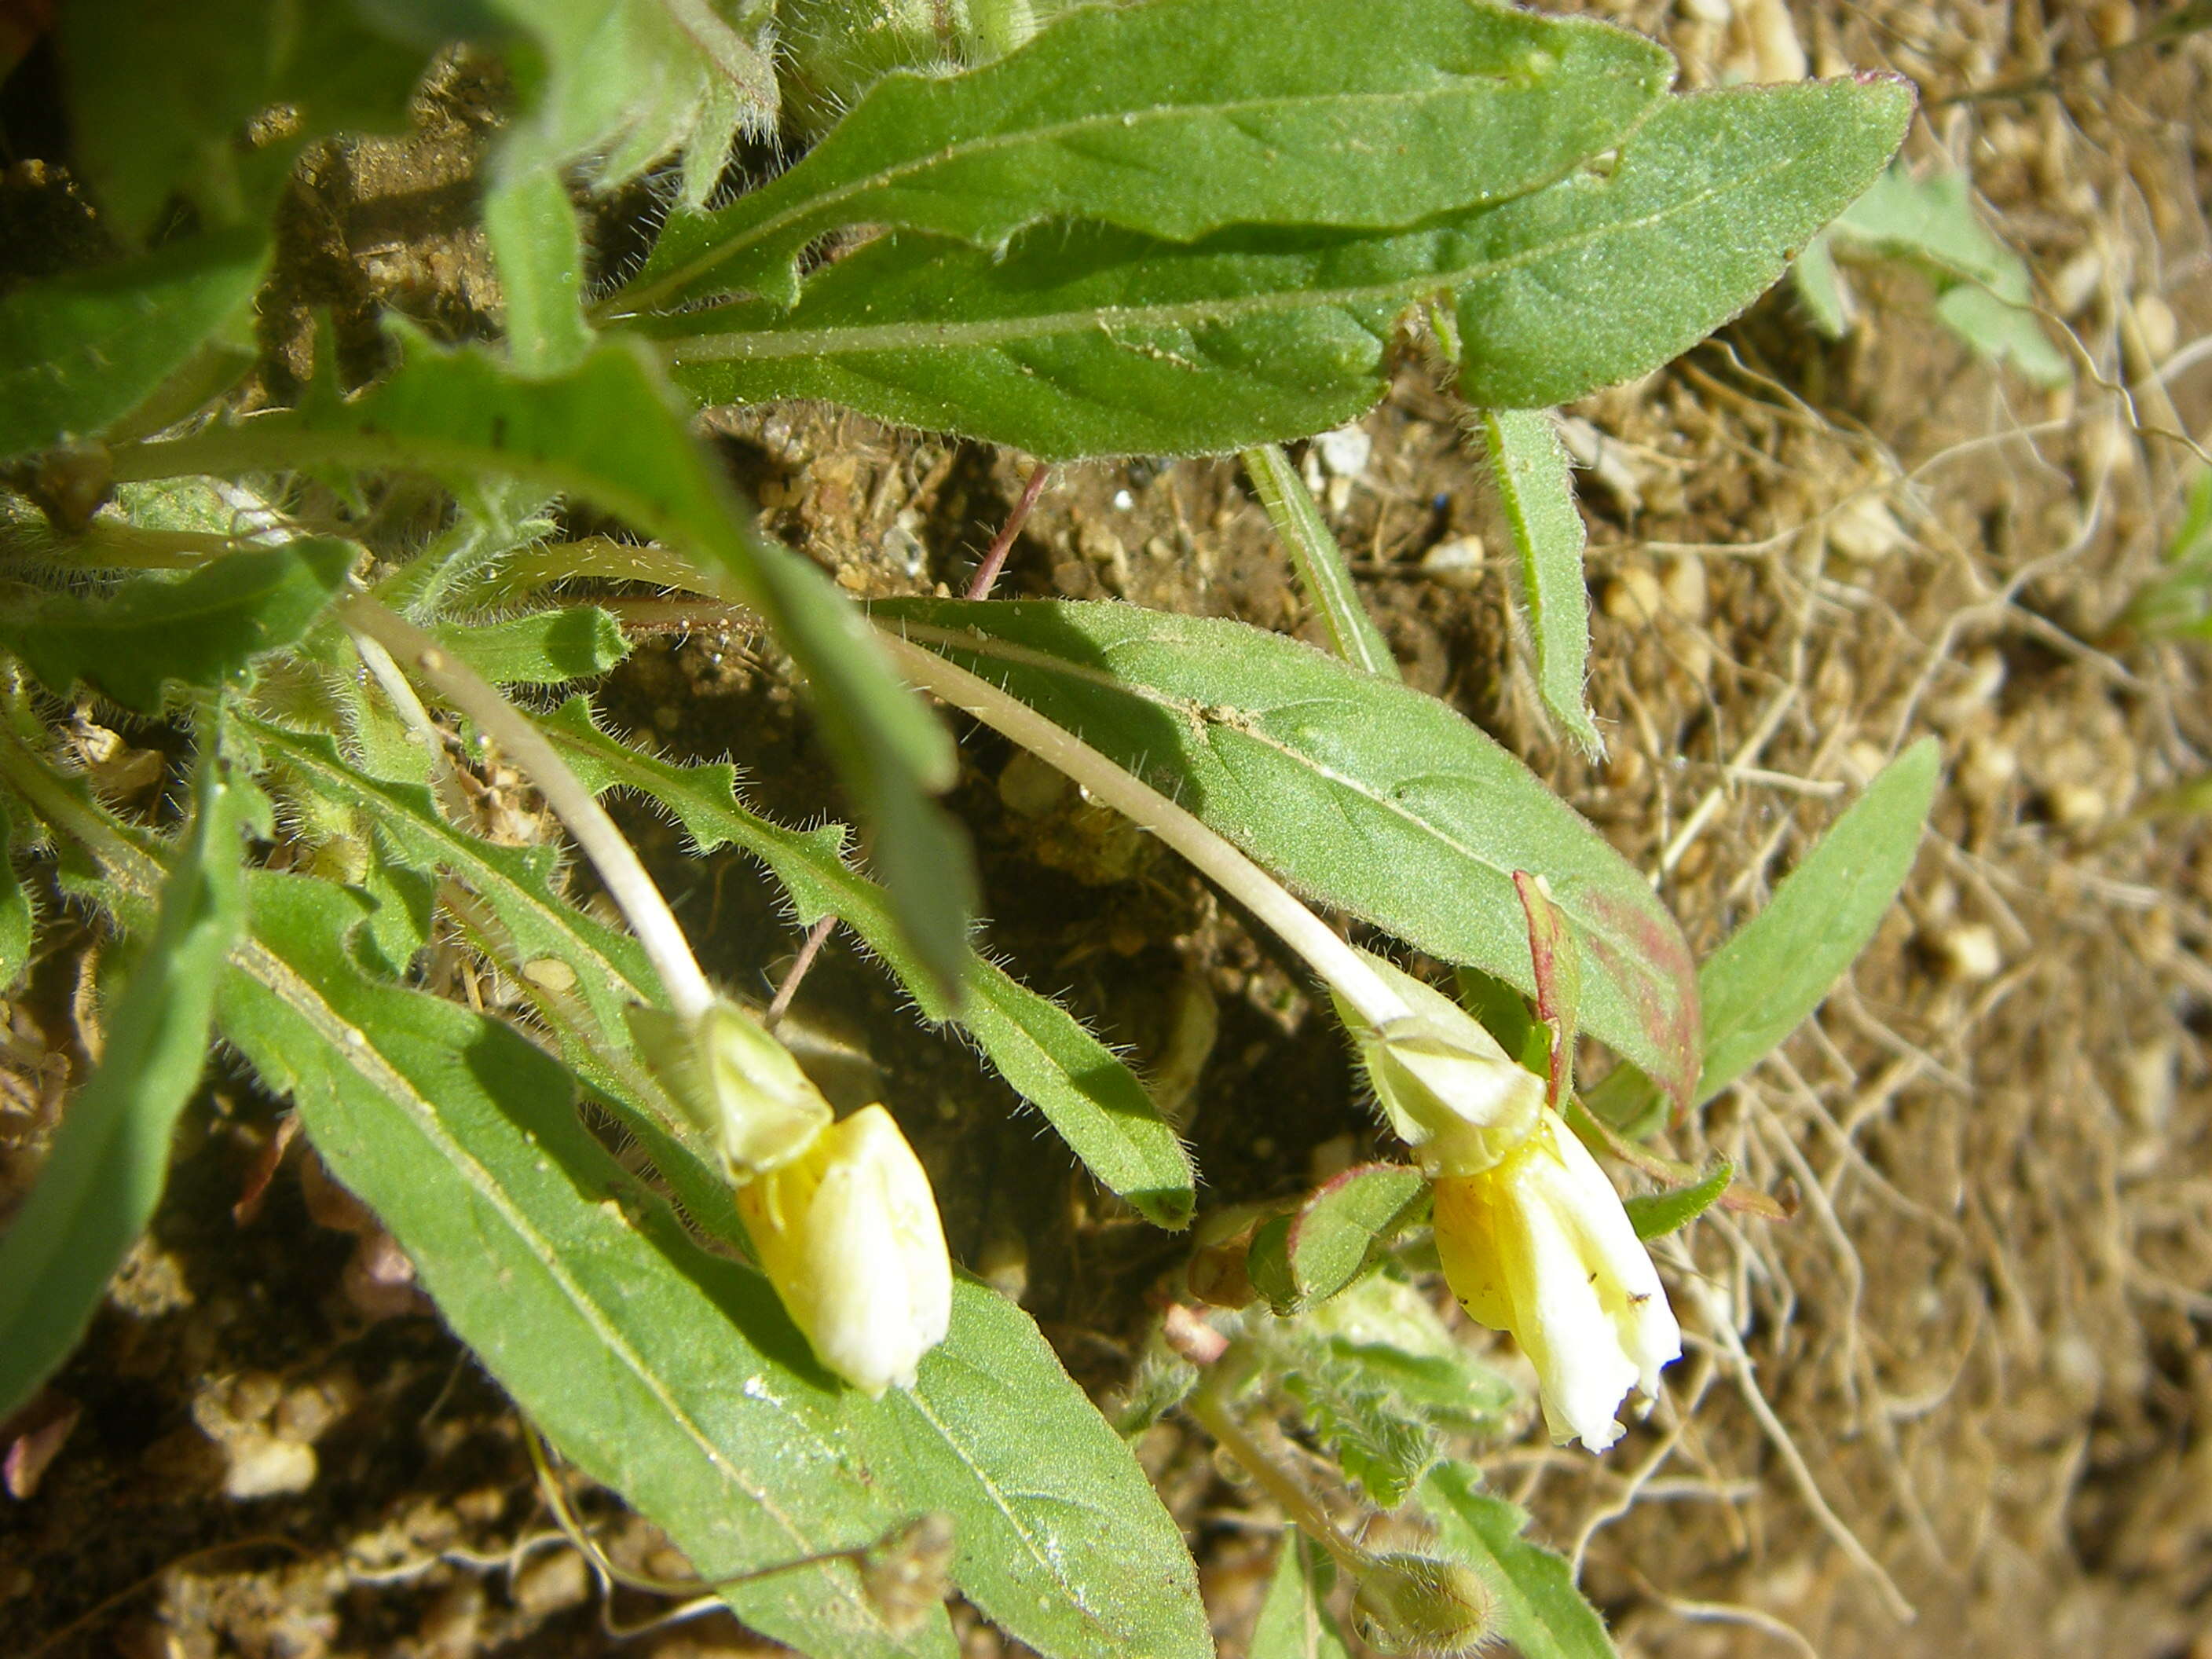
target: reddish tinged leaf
<point>1559,980</point>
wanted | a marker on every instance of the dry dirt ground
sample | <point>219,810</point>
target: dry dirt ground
<point>1961,1405</point>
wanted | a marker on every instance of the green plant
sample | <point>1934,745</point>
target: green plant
<point>1210,249</point>
<point>1928,224</point>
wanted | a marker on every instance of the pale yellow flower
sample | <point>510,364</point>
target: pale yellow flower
<point>1538,1244</point>
<point>847,1232</point>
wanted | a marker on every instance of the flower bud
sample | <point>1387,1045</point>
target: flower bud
<point>847,1232</point>
<point>1538,1244</point>
<point>1418,1604</point>
<point>735,1082</point>
<point>1449,1091</point>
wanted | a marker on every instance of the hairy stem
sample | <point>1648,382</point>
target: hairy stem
<point>1210,1405</point>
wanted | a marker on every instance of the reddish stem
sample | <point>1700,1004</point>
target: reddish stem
<point>816,937</point>
<point>995,561</point>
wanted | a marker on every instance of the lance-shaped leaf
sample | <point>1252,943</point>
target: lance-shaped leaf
<point>201,629</point>
<point>1610,273</point>
<point>111,1157</point>
<point>1772,972</point>
<point>552,940</point>
<point>1088,341</point>
<point>1984,295</point>
<point>78,351</point>
<point>1359,792</point>
<point>608,431</point>
<point>1529,465</point>
<point>1654,1214</point>
<point>1539,1610</point>
<point>1085,1091</point>
<point>538,247</point>
<point>1062,1539</point>
<point>666,1373</point>
<point>1294,1620</point>
<point>1319,560</point>
<point>1261,112</point>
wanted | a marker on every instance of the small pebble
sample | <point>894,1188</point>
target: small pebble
<point>1968,952</point>
<point>2160,330</point>
<point>1633,596</point>
<point>1866,531</point>
<point>1455,563</point>
<point>552,1583</point>
<point>1345,452</point>
<point>262,1466</point>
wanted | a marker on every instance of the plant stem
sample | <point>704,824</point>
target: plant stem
<point>609,850</point>
<point>1314,551</point>
<point>1210,1405</point>
<point>817,936</point>
<point>1235,874</point>
<point>995,561</point>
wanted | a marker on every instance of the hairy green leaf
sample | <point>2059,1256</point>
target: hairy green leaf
<point>201,629</point>
<point>1260,111</point>
<point>1097,341</point>
<point>162,97</point>
<point>1382,1447</point>
<point>1540,1612</point>
<point>545,647</point>
<point>79,351</point>
<point>667,1373</point>
<point>1294,1620</point>
<point>1391,1336</point>
<point>1359,792</point>
<point>17,924</point>
<point>1318,560</point>
<point>1774,970</point>
<point>111,1156</point>
<point>623,83</point>
<point>670,1373</point>
<point>1610,274</point>
<point>1529,465</point>
<point>1062,1539</point>
<point>1086,1092</point>
<point>540,250</point>
<point>1336,1235</point>
<point>608,431</point>
<point>1654,1214</point>
<point>605,966</point>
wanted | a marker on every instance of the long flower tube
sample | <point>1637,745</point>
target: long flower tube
<point>840,1213</point>
<point>1533,1237</point>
